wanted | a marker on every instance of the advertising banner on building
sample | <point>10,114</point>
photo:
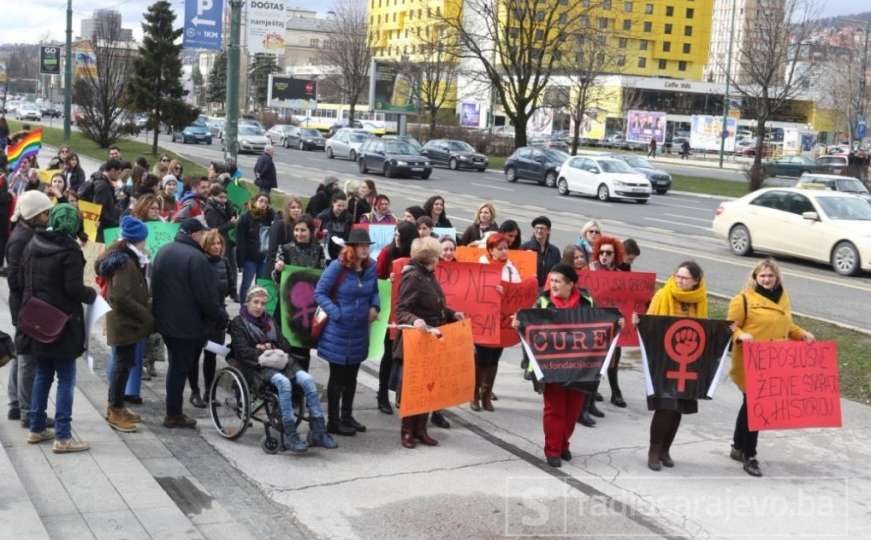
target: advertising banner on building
<point>85,60</point>
<point>706,131</point>
<point>470,115</point>
<point>641,126</point>
<point>266,26</point>
<point>390,90</point>
<point>202,24</point>
<point>289,93</point>
<point>49,60</point>
<point>591,126</point>
<point>541,122</point>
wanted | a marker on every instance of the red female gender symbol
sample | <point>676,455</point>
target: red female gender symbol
<point>684,343</point>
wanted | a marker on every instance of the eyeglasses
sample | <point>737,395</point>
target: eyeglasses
<point>594,231</point>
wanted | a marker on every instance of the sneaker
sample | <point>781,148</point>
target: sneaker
<point>554,461</point>
<point>68,446</point>
<point>751,467</point>
<point>119,421</point>
<point>134,417</point>
<point>737,455</point>
<point>42,436</point>
<point>13,414</point>
<point>180,421</point>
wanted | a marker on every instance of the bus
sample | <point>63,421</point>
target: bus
<point>327,115</point>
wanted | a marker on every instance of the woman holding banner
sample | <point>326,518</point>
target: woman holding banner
<point>683,295</point>
<point>761,312</point>
<point>609,255</point>
<point>421,304</point>
<point>485,221</point>
<point>348,293</point>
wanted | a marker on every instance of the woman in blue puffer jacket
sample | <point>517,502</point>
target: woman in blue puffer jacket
<point>348,292</point>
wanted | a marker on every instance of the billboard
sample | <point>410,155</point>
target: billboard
<point>470,115</point>
<point>289,93</point>
<point>202,24</point>
<point>49,60</point>
<point>540,123</point>
<point>85,60</point>
<point>390,90</point>
<point>706,131</point>
<point>266,26</point>
<point>591,127</point>
<point>641,126</point>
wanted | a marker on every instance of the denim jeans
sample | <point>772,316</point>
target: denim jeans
<point>66,386</point>
<point>133,385</point>
<point>250,271</point>
<point>285,395</point>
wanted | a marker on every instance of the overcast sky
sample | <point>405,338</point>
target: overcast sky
<point>42,19</point>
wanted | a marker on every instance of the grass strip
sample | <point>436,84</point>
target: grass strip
<point>709,186</point>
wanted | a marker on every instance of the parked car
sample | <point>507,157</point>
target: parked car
<point>251,139</point>
<point>455,154</point>
<point>393,158</point>
<point>405,138</point>
<point>346,143</point>
<point>745,148</point>
<point>216,127</point>
<point>553,141</point>
<point>659,179</point>
<point>539,164</point>
<point>789,166</point>
<point>277,133</point>
<point>304,139</point>
<point>818,225</point>
<point>844,184</point>
<point>28,111</point>
<point>833,164</point>
<point>614,140</point>
<point>344,125</point>
<point>603,177</point>
<point>194,133</point>
<point>51,111</point>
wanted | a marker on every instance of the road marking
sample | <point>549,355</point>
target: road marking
<point>488,186</point>
<point>688,217</point>
<point>686,207</point>
<point>585,200</point>
<point>673,222</point>
<point>658,230</point>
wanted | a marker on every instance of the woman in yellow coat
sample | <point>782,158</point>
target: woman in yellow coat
<point>683,295</point>
<point>761,312</point>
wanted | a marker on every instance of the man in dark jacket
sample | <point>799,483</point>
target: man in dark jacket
<point>185,299</point>
<point>31,215</point>
<point>320,201</point>
<point>335,222</point>
<point>103,193</point>
<point>193,202</point>
<point>548,254</point>
<point>264,171</point>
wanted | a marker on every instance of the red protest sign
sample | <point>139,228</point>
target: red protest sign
<point>515,296</point>
<point>525,261</point>
<point>792,384</point>
<point>630,292</point>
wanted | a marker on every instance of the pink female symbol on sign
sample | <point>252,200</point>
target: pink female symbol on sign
<point>684,343</point>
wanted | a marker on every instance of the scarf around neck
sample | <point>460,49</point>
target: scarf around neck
<point>666,301</point>
<point>774,294</point>
<point>570,302</point>
<point>261,328</point>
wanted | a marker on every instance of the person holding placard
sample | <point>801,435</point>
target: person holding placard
<point>422,304</point>
<point>683,295</point>
<point>608,255</point>
<point>484,222</point>
<point>761,312</point>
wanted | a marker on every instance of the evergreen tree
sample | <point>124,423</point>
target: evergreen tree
<point>258,73</point>
<point>155,85</point>
<point>218,81</point>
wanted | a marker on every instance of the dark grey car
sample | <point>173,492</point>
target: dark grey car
<point>454,154</point>
<point>660,180</point>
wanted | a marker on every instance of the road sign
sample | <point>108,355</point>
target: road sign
<point>202,24</point>
<point>861,129</point>
<point>49,60</point>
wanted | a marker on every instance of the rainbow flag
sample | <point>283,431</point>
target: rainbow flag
<point>27,146</point>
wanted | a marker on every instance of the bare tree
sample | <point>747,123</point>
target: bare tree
<point>518,44</point>
<point>348,49</point>
<point>100,92</point>
<point>771,64</point>
<point>433,70</point>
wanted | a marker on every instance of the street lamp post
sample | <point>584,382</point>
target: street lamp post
<point>231,123</point>
<point>68,73</point>
<point>725,132</point>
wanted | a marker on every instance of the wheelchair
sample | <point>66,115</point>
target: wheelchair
<point>234,407</point>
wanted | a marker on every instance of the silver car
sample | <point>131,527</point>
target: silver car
<point>346,143</point>
<point>278,133</point>
<point>252,139</point>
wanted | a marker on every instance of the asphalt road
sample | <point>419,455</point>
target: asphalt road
<point>669,229</point>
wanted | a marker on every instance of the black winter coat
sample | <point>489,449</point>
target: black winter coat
<point>473,233</point>
<point>420,297</point>
<point>184,290</point>
<point>264,173</point>
<point>320,201</point>
<point>226,286</point>
<point>358,207</point>
<point>104,194</point>
<point>548,257</point>
<point>219,216</point>
<point>21,235</point>
<point>309,255</point>
<point>243,347</point>
<point>52,268</point>
<point>75,178</point>
<point>248,236</point>
<point>334,225</point>
<point>280,233</point>
<point>5,207</point>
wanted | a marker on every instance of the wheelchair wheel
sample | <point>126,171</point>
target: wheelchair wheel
<point>230,403</point>
<point>270,445</point>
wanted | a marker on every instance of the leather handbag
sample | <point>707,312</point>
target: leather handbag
<point>319,321</point>
<point>41,321</point>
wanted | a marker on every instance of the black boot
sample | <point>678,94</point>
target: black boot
<point>595,410</point>
<point>384,404</point>
<point>616,394</point>
<point>348,393</point>
<point>334,425</point>
<point>585,419</point>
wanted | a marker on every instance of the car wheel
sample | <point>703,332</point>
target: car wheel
<point>511,174</point>
<point>453,164</point>
<point>482,169</point>
<point>330,152</point>
<point>739,241</point>
<point>602,193</point>
<point>388,170</point>
<point>209,141</point>
<point>803,173</point>
<point>361,166</point>
<point>641,201</point>
<point>426,175</point>
<point>301,145</point>
<point>550,179</point>
<point>353,155</point>
<point>562,185</point>
<point>845,259</point>
<point>661,191</point>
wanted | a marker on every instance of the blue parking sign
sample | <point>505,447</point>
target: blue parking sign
<point>861,129</point>
<point>202,24</point>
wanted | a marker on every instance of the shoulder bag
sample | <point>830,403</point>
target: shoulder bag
<point>40,320</point>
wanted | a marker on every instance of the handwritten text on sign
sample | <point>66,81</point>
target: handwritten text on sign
<point>437,373</point>
<point>792,384</point>
<point>630,292</point>
<point>525,261</point>
<point>515,296</point>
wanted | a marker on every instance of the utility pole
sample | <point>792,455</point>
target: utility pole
<point>231,122</point>
<point>863,77</point>
<point>728,80</point>
<point>68,73</point>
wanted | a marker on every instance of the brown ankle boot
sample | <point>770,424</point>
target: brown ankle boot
<point>475,404</point>
<point>119,421</point>
<point>489,377</point>
<point>408,432</point>
<point>420,433</point>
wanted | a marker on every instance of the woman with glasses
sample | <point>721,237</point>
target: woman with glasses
<point>161,168</point>
<point>683,295</point>
<point>589,233</point>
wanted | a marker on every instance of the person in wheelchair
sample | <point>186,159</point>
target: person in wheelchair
<point>260,350</point>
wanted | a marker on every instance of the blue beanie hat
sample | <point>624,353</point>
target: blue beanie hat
<point>133,230</point>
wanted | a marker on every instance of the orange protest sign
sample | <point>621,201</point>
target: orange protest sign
<point>437,373</point>
<point>524,260</point>
<point>90,218</point>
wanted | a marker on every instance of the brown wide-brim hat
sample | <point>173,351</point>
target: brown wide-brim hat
<point>359,237</point>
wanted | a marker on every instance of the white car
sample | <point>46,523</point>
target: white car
<point>252,139</point>
<point>346,143</point>
<point>819,225</point>
<point>603,177</point>
<point>28,111</point>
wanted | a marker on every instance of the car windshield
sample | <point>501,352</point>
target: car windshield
<point>614,166</point>
<point>460,146</point>
<point>313,133</point>
<point>851,185</point>
<point>845,208</point>
<point>399,147</point>
<point>250,130</point>
<point>638,162</point>
<point>358,137</point>
<point>556,155</point>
